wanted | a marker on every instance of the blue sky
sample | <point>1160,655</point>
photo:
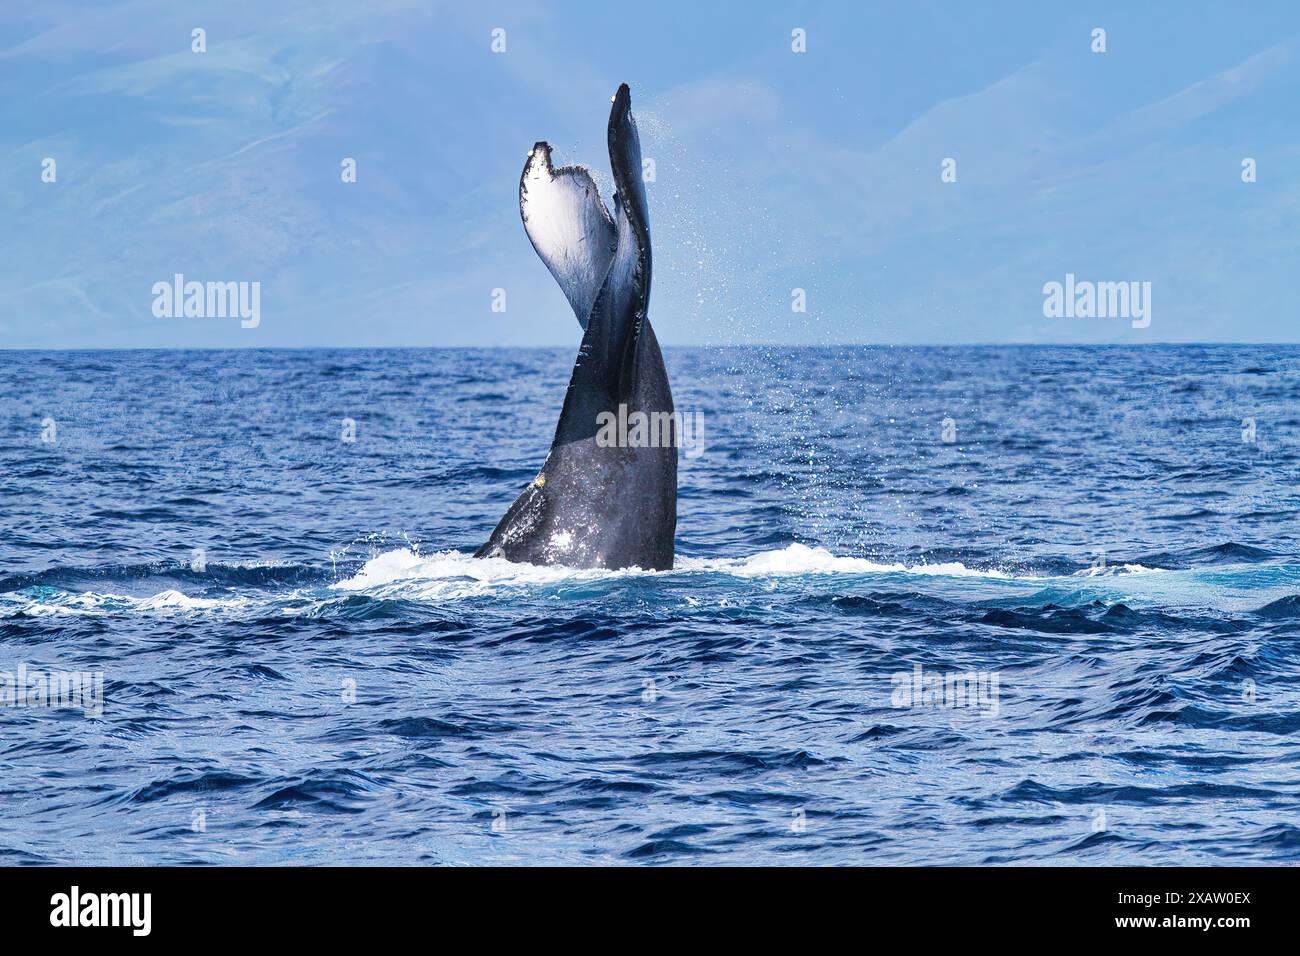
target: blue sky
<point>774,170</point>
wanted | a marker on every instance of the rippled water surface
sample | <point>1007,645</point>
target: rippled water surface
<point>301,662</point>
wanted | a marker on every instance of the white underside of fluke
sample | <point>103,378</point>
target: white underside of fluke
<point>569,227</point>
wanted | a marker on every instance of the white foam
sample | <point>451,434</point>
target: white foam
<point>406,574</point>
<point>799,559</point>
<point>1113,569</point>
<point>169,600</point>
<point>94,604</point>
<point>449,574</point>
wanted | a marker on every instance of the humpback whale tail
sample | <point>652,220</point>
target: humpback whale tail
<point>599,500</point>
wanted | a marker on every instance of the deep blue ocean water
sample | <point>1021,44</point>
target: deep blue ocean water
<point>302,664</point>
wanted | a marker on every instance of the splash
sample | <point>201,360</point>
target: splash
<point>404,566</point>
<point>405,574</point>
<point>799,559</point>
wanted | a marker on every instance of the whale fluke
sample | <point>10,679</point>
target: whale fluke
<point>597,504</point>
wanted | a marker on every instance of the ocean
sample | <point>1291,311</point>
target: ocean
<point>931,606</point>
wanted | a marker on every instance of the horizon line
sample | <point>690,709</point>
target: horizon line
<point>725,345</point>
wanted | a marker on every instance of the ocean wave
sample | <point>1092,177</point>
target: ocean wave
<point>323,683</point>
<point>795,560</point>
<point>799,559</point>
<point>406,575</point>
<point>49,602</point>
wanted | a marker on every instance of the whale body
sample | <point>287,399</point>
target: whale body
<point>598,503</point>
